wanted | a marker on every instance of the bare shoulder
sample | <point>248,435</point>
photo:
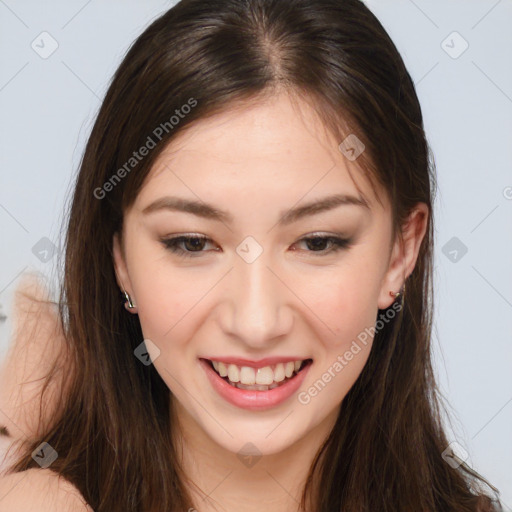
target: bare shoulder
<point>36,343</point>
<point>39,490</point>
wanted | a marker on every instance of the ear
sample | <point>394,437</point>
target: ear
<point>404,254</point>
<point>122,277</point>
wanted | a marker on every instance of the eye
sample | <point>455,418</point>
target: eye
<point>194,244</point>
<point>319,242</point>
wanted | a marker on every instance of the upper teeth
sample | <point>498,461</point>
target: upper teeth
<point>264,376</point>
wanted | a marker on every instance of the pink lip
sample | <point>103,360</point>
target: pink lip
<point>253,399</point>
<point>260,363</point>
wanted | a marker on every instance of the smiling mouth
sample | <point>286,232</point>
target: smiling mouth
<point>260,379</point>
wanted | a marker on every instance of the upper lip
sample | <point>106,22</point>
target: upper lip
<point>260,363</point>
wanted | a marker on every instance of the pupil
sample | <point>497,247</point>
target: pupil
<point>194,243</point>
<point>318,243</point>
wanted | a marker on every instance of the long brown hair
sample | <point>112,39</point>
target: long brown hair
<point>112,430</point>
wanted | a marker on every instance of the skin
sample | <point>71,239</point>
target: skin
<point>40,490</point>
<point>291,301</point>
<point>36,340</point>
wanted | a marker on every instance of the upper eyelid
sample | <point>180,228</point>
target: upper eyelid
<point>314,234</point>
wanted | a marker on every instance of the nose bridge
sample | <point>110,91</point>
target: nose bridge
<point>258,302</point>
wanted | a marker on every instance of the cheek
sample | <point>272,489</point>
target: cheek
<point>344,304</point>
<point>167,297</point>
<point>343,349</point>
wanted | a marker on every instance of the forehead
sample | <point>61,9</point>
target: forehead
<point>270,150</point>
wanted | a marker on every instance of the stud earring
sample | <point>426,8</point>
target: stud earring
<point>397,294</point>
<point>128,299</point>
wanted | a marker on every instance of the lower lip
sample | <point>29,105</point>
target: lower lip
<point>253,399</point>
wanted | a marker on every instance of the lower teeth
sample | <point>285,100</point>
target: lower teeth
<point>258,387</point>
<point>255,387</point>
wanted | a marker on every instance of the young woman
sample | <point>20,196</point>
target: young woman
<point>258,190</point>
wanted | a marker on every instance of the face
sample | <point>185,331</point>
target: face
<point>249,281</point>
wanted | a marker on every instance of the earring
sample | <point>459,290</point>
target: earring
<point>397,294</point>
<point>127,297</point>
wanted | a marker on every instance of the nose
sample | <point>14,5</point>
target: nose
<point>260,312</point>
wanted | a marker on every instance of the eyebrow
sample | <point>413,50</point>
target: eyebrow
<point>208,211</point>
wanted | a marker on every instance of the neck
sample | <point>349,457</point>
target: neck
<point>224,481</point>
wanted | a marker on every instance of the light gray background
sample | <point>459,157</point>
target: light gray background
<point>48,106</point>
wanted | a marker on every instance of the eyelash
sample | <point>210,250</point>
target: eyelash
<point>172,244</point>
